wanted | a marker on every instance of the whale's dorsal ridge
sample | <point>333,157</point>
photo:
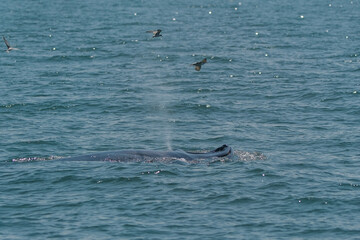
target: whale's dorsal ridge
<point>145,155</point>
<point>219,149</point>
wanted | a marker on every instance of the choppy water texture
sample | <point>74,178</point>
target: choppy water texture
<point>281,86</point>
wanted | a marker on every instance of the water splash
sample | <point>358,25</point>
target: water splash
<point>33,159</point>
<point>249,156</point>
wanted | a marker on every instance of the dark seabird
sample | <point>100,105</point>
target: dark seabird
<point>9,48</point>
<point>198,64</point>
<point>156,33</point>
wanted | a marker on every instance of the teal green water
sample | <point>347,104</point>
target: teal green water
<point>281,86</point>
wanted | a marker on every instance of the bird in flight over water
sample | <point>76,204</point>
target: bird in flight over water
<point>9,48</point>
<point>156,33</point>
<point>198,64</point>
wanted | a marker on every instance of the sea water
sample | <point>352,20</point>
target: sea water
<point>281,86</point>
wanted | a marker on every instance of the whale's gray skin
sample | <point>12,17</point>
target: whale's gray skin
<point>149,155</point>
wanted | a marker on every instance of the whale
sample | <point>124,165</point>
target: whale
<point>152,155</point>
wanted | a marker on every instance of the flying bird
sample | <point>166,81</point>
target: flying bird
<point>9,48</point>
<point>199,64</point>
<point>156,33</point>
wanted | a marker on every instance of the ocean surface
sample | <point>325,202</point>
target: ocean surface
<point>281,86</point>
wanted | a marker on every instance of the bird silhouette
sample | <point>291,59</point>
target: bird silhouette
<point>9,48</point>
<point>199,64</point>
<point>156,33</point>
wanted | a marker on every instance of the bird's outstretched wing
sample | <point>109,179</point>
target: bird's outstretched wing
<point>6,42</point>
